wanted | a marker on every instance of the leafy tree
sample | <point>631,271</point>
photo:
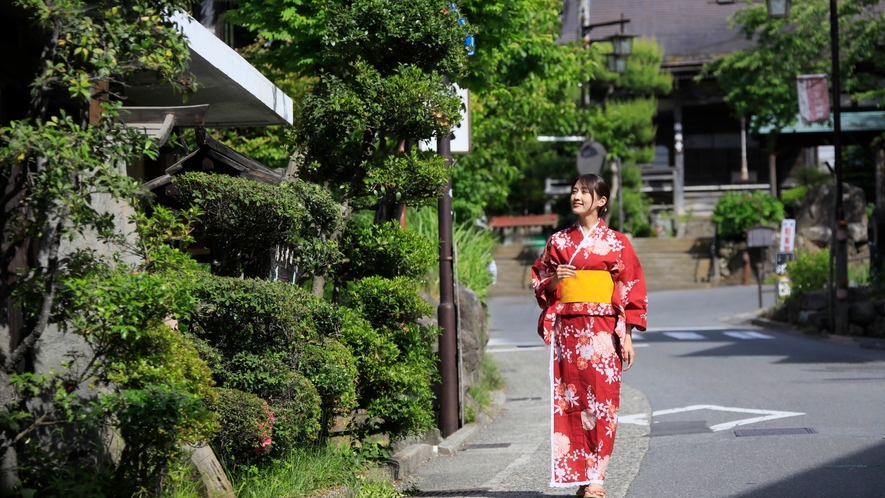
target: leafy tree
<point>525,85</point>
<point>760,81</point>
<point>62,180</point>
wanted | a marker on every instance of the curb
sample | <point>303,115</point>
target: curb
<point>407,460</point>
<point>844,340</point>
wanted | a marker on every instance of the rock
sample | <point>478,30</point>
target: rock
<point>877,328</point>
<point>806,317</point>
<point>879,304</point>
<point>855,330</point>
<point>817,235</point>
<point>858,294</point>
<point>863,313</point>
<point>816,210</point>
<point>472,333</point>
<point>814,300</point>
<point>857,232</point>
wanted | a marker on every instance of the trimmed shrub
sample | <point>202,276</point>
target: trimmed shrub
<point>246,425</point>
<point>810,271</point>
<point>331,368</point>
<point>737,211</point>
<point>387,250</point>
<point>396,385</point>
<point>247,218</point>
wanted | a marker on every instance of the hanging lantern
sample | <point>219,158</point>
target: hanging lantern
<point>616,63</point>
<point>778,9</point>
<point>622,43</point>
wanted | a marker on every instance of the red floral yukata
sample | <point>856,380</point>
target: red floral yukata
<point>586,353</point>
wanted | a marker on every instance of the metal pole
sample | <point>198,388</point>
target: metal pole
<point>841,232</point>
<point>448,340</point>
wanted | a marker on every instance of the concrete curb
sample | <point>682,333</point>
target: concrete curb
<point>407,460</point>
<point>844,340</point>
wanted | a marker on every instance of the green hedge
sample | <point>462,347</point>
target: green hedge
<point>246,426</point>
<point>737,211</point>
<point>246,219</point>
<point>387,250</point>
<point>312,360</point>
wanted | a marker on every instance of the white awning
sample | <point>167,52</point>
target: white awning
<point>237,93</point>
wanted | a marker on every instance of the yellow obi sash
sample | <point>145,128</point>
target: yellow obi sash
<point>587,286</point>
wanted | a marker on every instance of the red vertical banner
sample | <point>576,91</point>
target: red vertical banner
<point>814,97</point>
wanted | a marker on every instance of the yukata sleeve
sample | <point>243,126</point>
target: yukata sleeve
<point>630,283</point>
<point>543,271</point>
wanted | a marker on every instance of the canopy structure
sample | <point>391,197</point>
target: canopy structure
<point>239,95</point>
<point>857,127</point>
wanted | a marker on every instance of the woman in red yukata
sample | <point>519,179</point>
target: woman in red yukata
<point>589,283</point>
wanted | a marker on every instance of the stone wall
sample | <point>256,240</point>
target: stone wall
<point>811,310</point>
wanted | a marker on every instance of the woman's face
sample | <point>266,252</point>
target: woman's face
<point>584,200</point>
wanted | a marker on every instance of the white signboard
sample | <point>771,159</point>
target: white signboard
<point>788,235</point>
<point>461,143</point>
<point>784,287</point>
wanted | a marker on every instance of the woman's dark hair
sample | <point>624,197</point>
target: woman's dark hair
<point>597,185</point>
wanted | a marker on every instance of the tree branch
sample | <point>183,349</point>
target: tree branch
<point>49,251</point>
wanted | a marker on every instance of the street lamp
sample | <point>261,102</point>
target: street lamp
<point>622,46</point>
<point>778,9</point>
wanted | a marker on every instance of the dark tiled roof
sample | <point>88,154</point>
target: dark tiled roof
<point>689,30</point>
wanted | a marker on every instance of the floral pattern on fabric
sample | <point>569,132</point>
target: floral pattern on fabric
<point>586,348</point>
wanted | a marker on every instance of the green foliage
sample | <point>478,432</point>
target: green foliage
<point>396,362</point>
<point>387,250</point>
<point>154,388</point>
<point>332,369</point>
<point>248,218</point>
<point>637,206</point>
<point>246,426</point>
<point>311,469</point>
<point>258,331</point>
<point>735,212</point>
<point>490,380</point>
<point>789,196</point>
<point>810,271</point>
<point>761,80</point>
<point>472,248</point>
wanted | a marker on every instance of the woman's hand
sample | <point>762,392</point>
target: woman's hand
<point>562,272</point>
<point>629,354</point>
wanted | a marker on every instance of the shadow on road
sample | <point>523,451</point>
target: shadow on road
<point>859,475</point>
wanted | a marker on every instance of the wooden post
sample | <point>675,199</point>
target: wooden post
<point>95,103</point>
<point>772,172</point>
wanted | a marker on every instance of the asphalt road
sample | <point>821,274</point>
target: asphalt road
<point>702,371</point>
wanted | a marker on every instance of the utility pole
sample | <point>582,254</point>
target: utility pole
<point>840,232</point>
<point>448,340</point>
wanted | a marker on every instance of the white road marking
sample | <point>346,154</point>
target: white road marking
<point>685,336</point>
<point>640,345</point>
<point>748,335</point>
<point>640,418</point>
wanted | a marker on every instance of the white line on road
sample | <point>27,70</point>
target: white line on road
<point>748,335</point>
<point>640,345</point>
<point>685,336</point>
<point>639,419</point>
